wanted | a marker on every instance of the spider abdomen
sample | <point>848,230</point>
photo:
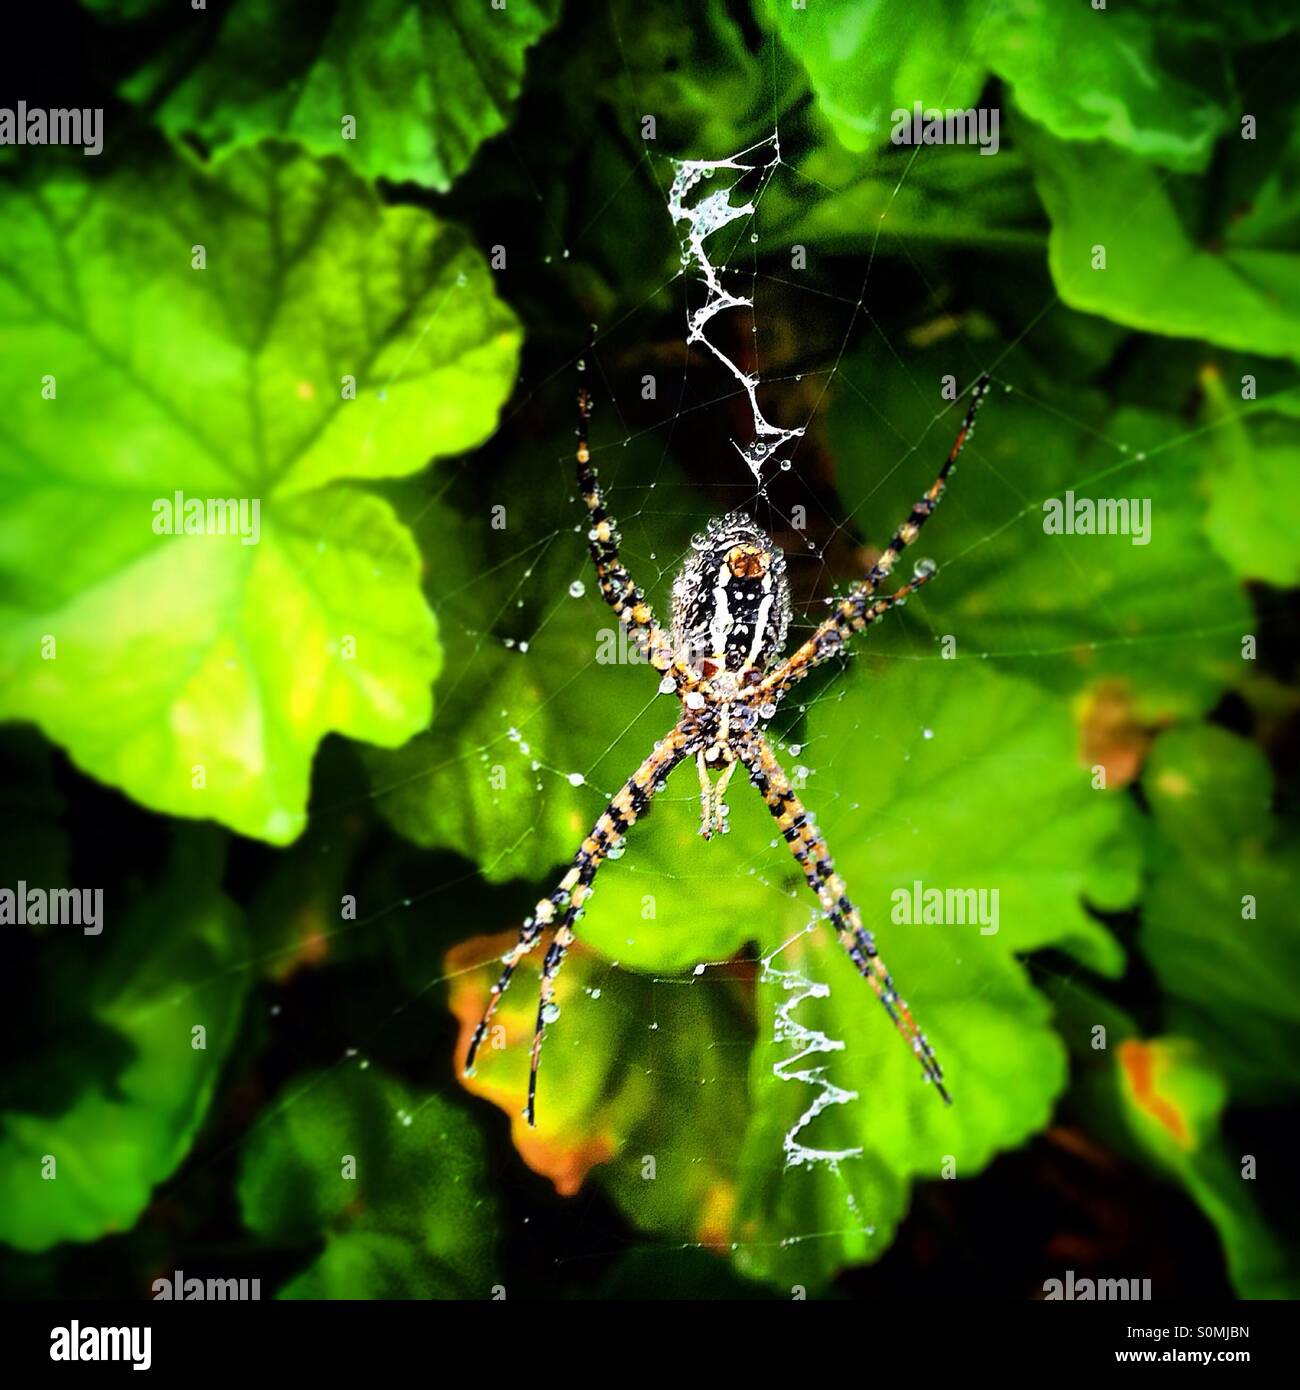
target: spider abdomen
<point>731,600</point>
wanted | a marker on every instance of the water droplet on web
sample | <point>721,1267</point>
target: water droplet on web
<point>550,1012</point>
<point>576,779</point>
<point>796,749</point>
<point>753,236</point>
<point>767,710</point>
<point>785,465</point>
<point>577,589</point>
<point>927,733</point>
<point>667,685</point>
<point>924,569</point>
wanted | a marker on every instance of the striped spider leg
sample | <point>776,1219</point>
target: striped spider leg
<point>860,607</point>
<point>564,906</point>
<point>808,847</point>
<point>616,586</point>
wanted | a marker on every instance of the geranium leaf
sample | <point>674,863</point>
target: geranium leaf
<point>257,334</point>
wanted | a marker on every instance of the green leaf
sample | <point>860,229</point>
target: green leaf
<point>1243,291</point>
<point>119,1088</point>
<point>1154,626</point>
<point>198,672</point>
<point>424,84</point>
<point>1172,1099</point>
<point>392,1181</point>
<point>1163,101</point>
<point>1253,481</point>
<point>1221,910</point>
<point>867,58</point>
<point>1124,85</point>
<point>1160,1102</point>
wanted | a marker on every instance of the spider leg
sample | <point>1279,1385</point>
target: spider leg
<point>856,610</point>
<point>563,906</point>
<point>616,586</point>
<point>712,821</point>
<point>813,855</point>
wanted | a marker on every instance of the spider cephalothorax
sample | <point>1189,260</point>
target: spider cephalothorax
<point>731,601</point>
<point>731,609</point>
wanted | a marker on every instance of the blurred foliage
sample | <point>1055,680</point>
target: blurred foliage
<point>346,1156</point>
<point>421,586</point>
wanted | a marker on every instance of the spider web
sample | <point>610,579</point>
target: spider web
<point>726,272</point>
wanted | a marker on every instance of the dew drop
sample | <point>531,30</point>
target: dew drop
<point>576,779</point>
<point>577,589</point>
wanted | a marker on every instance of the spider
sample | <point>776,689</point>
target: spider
<point>730,613</point>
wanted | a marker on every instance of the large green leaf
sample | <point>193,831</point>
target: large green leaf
<point>197,672</point>
<point>1221,911</point>
<point>113,1096</point>
<point>424,84</point>
<point>1126,82</point>
<point>1163,100</point>
<point>1161,273</point>
<point>390,1181</point>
